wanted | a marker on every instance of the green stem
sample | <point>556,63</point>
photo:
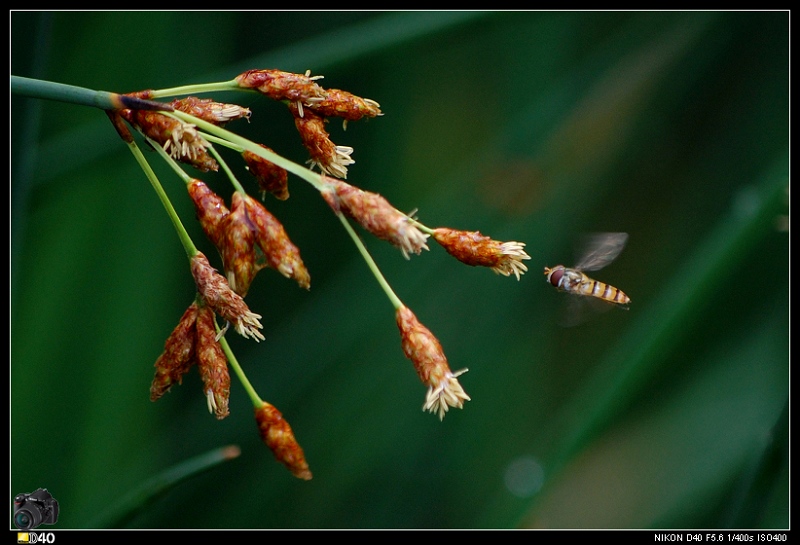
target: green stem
<point>424,228</point>
<point>188,245</point>
<point>170,161</point>
<point>227,170</point>
<point>251,392</point>
<point>71,94</point>
<point>396,302</point>
<point>222,142</point>
<point>197,88</point>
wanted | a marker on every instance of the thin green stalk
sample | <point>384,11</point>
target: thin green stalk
<point>186,240</point>
<point>228,171</point>
<point>424,228</point>
<point>198,88</point>
<point>396,302</point>
<point>222,142</point>
<point>170,161</point>
<point>251,392</point>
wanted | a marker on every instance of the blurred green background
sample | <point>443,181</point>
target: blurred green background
<point>529,126</point>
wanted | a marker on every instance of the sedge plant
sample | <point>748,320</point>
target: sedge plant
<point>189,133</point>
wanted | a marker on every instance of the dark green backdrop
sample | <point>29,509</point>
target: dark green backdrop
<point>530,126</point>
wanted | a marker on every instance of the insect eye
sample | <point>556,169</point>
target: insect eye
<point>555,276</point>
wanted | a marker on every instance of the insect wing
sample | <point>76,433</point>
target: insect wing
<point>600,249</point>
<point>577,310</point>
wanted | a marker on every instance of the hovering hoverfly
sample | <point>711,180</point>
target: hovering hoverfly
<point>599,250</point>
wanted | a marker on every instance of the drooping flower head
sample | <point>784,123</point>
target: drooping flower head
<point>248,238</point>
<point>213,364</point>
<point>194,341</point>
<point>323,153</point>
<point>376,215</point>
<point>217,293</point>
<point>278,436</point>
<point>210,209</point>
<point>178,356</point>
<point>180,140</point>
<point>278,250</point>
<point>424,350</point>
<point>270,177</point>
<point>237,238</point>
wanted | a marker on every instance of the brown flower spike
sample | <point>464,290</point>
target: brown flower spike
<point>424,350</point>
<point>236,243</point>
<point>278,436</point>
<point>279,252</point>
<point>180,140</point>
<point>192,342</point>
<point>217,293</point>
<point>376,215</point>
<point>206,109</point>
<point>280,85</point>
<point>330,158</point>
<point>213,364</point>
<point>248,238</point>
<point>270,177</point>
<point>472,248</point>
<point>210,209</point>
<point>178,355</point>
<point>338,103</point>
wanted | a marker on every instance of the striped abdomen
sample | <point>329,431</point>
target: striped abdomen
<point>601,290</point>
<point>578,283</point>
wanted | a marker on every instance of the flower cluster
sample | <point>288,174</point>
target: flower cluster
<point>249,238</point>
<point>311,106</point>
<point>194,341</point>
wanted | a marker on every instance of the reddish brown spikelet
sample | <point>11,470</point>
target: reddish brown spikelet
<point>180,140</point>
<point>280,253</point>
<point>217,113</point>
<point>420,345</point>
<point>425,352</point>
<point>278,436</point>
<point>213,364</point>
<point>330,158</point>
<point>270,177</point>
<point>178,355</point>
<point>374,213</point>
<point>217,293</point>
<point>473,248</point>
<point>338,103</point>
<point>279,85</point>
<point>237,243</point>
<point>469,247</point>
<point>210,207</point>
